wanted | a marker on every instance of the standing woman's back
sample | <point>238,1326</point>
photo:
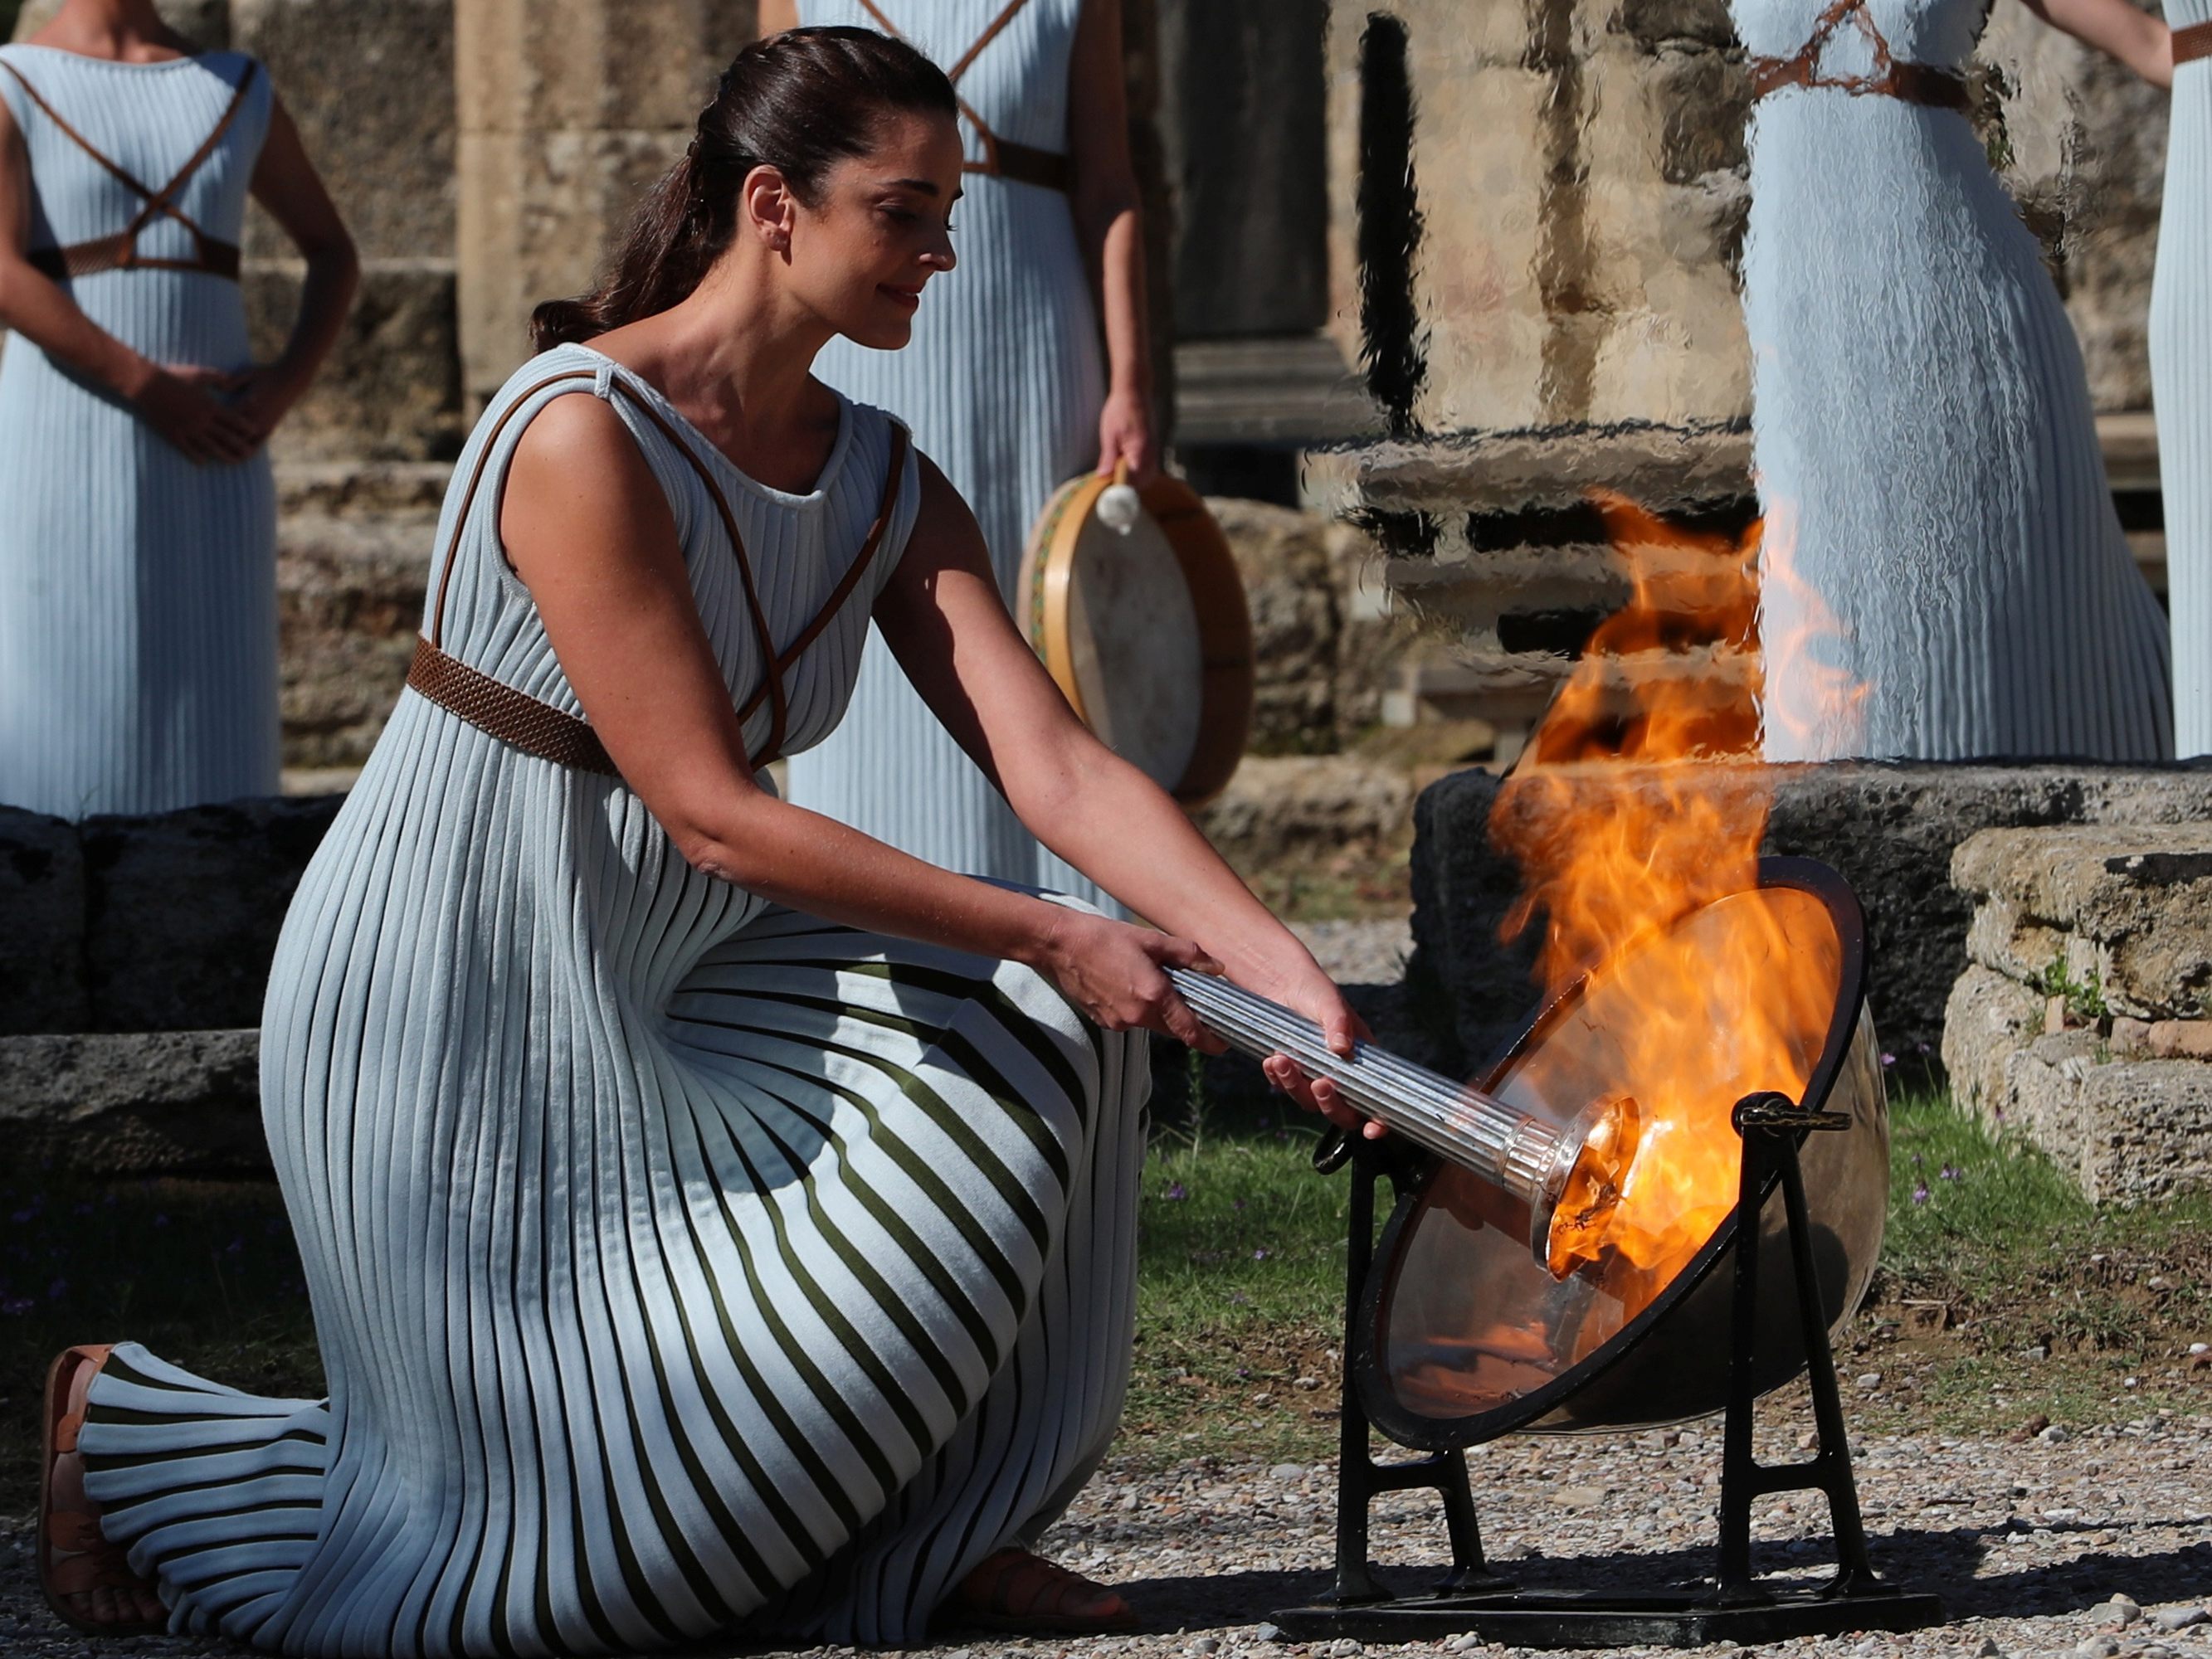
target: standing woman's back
<point>137,595</point>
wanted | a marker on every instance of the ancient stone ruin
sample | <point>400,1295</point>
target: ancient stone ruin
<point>2083,1020</point>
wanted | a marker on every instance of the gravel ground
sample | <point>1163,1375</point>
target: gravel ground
<point>2027,1542</point>
<point>1360,953</point>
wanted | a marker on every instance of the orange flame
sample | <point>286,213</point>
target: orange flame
<point>1624,825</point>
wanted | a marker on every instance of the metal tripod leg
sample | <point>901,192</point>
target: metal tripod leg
<point>1770,1126</point>
<point>1360,1479</point>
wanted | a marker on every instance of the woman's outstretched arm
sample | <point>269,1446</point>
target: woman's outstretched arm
<point>1109,217</point>
<point>286,183</point>
<point>2142,42</point>
<point>942,616</point>
<point>179,401</point>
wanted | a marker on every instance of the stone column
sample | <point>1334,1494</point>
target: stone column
<point>569,109</point>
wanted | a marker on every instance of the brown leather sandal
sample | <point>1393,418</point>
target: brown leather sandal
<point>76,1562</point>
<point>1017,1592</point>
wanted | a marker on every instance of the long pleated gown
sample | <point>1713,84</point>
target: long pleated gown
<point>2181,384</point>
<point>1002,385</point>
<point>681,1264</point>
<point>137,587</point>
<point>1943,574</point>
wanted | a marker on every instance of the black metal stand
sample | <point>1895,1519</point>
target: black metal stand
<point>1733,1606</point>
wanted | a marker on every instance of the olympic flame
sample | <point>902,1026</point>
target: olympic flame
<point>1639,802</point>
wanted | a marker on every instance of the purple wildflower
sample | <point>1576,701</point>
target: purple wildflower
<point>1920,1192</point>
<point>1261,1253</point>
<point>1176,1193</point>
<point>14,1305</point>
<point>1951,1172</point>
<point>1888,1059</point>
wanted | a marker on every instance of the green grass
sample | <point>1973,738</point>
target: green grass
<point>1240,1269</point>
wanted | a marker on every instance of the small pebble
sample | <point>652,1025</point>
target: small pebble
<point>1205,1645</point>
<point>1869,1379</point>
<point>2055,1435</point>
<point>1466,1642</point>
<point>2098,1647</point>
<point>1270,1633</point>
<point>1287,1471</point>
<point>2173,1619</point>
<point>1989,1649</point>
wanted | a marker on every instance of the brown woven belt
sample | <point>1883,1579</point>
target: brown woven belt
<point>2192,42</point>
<point>522,721</point>
<point>120,253</point>
<point>1911,84</point>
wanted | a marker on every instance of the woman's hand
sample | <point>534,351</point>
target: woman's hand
<point>181,403</point>
<point>1117,976</point>
<point>1306,990</point>
<point>1124,437</point>
<point>265,395</point>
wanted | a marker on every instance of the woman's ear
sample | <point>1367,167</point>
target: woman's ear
<point>769,208</point>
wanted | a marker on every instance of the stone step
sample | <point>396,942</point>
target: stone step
<point>349,596</point>
<point>2125,909</point>
<point>358,488</point>
<point>2125,1128</point>
<point>135,1103</point>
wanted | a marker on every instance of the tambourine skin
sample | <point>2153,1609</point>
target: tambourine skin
<point>1043,610</point>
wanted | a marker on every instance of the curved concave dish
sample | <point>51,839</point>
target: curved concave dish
<point>1466,1337</point>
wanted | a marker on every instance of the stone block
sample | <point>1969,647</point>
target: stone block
<point>2181,1039</point>
<point>2126,1129</point>
<point>206,22</point>
<point>1988,1019</point>
<point>140,1104</point>
<point>1890,829</point>
<point>42,897</point>
<point>371,88</point>
<point>182,910</point>
<point>2127,907</point>
<point>349,598</point>
<point>390,388</point>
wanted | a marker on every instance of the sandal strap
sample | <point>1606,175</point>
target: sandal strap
<point>66,1431</point>
<point>76,1531</point>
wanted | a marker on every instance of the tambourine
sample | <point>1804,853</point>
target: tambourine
<point>1144,627</point>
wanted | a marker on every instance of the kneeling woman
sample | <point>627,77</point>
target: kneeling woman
<point>716,1220</point>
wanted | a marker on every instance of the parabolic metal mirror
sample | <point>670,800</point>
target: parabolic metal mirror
<point>1463,1334</point>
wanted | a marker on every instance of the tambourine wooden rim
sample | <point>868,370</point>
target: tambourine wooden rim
<point>1217,598</point>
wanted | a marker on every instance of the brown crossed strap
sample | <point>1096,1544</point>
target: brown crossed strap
<point>1003,158</point>
<point>120,251</point>
<point>1911,84</point>
<point>2192,42</point>
<point>537,728</point>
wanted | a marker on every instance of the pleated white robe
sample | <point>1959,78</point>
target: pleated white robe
<point>137,588</point>
<point>1943,576</point>
<point>681,1265</point>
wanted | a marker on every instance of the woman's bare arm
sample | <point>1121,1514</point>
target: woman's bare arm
<point>286,183</point>
<point>942,616</point>
<point>777,16</point>
<point>2143,43</point>
<point>1110,222</point>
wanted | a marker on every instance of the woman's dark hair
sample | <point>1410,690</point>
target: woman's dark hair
<point>800,102</point>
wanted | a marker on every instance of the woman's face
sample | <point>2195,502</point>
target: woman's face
<point>879,229</point>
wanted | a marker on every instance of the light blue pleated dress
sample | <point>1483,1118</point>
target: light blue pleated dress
<point>2181,384</point>
<point>137,588</point>
<point>681,1265</point>
<point>1002,384</point>
<point>1944,576</point>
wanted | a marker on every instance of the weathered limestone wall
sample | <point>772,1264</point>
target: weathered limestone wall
<point>2081,1020</point>
<point>1578,172</point>
<point>569,109</point>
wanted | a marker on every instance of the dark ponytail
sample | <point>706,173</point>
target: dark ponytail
<point>800,102</point>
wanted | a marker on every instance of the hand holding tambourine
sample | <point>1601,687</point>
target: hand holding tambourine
<point>1131,598</point>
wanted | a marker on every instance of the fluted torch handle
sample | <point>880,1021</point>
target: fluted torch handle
<point>1503,1145</point>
